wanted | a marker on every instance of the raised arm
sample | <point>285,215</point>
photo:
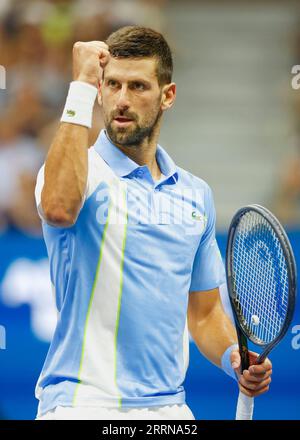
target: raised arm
<point>66,166</point>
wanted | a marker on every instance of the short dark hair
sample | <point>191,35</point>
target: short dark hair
<point>139,42</point>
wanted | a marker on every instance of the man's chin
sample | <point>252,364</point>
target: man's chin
<point>121,135</point>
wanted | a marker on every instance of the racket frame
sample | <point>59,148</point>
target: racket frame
<point>243,331</point>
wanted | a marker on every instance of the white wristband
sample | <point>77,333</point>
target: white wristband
<point>79,104</point>
<point>225,361</point>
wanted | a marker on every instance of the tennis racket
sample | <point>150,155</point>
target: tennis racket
<point>261,279</point>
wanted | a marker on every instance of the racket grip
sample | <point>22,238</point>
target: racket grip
<point>245,406</point>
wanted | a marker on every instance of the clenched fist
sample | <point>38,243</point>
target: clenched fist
<point>89,60</point>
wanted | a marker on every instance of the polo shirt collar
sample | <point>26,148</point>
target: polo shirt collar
<point>122,165</point>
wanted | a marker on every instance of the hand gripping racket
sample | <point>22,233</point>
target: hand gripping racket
<point>261,279</point>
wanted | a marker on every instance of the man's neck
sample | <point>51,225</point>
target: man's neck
<point>144,154</point>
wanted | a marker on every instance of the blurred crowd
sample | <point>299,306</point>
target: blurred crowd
<point>36,39</point>
<point>286,200</point>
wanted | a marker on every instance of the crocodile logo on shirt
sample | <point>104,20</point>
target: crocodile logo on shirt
<point>71,113</point>
<point>198,217</point>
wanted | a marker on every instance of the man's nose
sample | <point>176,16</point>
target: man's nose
<point>123,99</point>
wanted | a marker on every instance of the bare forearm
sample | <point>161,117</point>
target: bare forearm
<point>209,325</point>
<point>66,171</point>
<point>214,336</point>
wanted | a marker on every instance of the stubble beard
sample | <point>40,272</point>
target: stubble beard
<point>132,136</point>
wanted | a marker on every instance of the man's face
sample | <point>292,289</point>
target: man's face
<point>131,99</point>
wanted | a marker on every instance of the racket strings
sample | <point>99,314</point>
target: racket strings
<point>260,276</point>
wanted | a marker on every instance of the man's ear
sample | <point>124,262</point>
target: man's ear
<point>168,96</point>
<point>100,93</point>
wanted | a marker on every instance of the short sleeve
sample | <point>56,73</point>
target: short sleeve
<point>208,268</point>
<point>98,171</point>
<point>38,191</point>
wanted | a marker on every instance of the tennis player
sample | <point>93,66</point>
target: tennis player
<point>131,241</point>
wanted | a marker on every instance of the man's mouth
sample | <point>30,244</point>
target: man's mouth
<point>122,121</point>
<point>123,118</point>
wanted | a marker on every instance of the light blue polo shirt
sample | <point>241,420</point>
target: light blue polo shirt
<point>122,276</point>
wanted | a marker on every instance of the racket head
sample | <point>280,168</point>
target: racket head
<point>257,245</point>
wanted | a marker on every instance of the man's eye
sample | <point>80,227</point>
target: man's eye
<point>138,86</point>
<point>112,83</point>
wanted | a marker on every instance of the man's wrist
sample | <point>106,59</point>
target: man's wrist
<point>91,80</point>
<point>226,362</point>
<point>79,104</point>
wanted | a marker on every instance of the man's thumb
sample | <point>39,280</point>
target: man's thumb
<point>235,359</point>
